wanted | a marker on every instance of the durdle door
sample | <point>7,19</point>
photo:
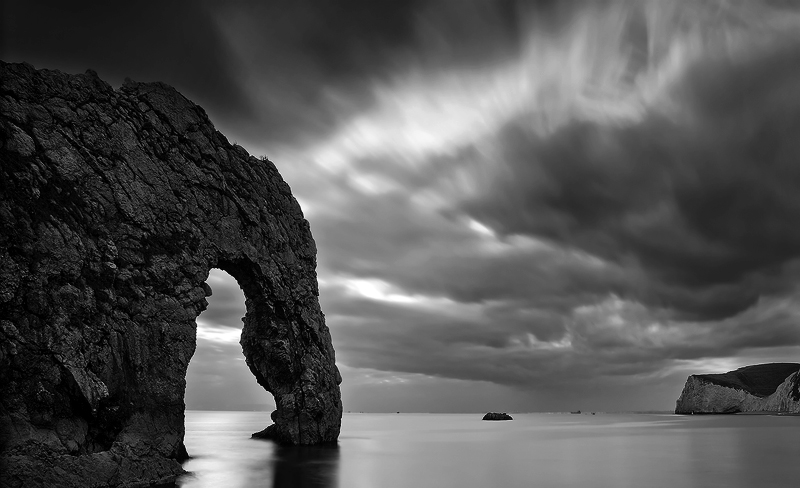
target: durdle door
<point>114,206</point>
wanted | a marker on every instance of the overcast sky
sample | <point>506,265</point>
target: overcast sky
<point>518,206</point>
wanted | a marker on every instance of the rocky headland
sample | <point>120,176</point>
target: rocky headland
<point>762,388</point>
<point>114,206</point>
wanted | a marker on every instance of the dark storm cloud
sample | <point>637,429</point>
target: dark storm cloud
<point>608,340</point>
<point>174,42</point>
<point>687,272</point>
<point>277,73</point>
<point>393,239</point>
<point>700,199</point>
<point>311,66</point>
<point>620,192</point>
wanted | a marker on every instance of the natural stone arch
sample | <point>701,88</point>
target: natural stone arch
<point>288,353</point>
<point>114,206</point>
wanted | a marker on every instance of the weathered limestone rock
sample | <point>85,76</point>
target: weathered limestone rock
<point>760,388</point>
<point>114,206</point>
<point>497,416</point>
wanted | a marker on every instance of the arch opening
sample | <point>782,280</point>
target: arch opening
<point>218,377</point>
<point>287,348</point>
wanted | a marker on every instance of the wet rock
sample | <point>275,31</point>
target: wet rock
<point>114,206</point>
<point>497,416</point>
<point>760,388</point>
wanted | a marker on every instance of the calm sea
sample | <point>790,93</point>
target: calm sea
<point>533,450</point>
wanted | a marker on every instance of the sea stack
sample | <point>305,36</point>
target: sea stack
<point>497,416</point>
<point>768,388</point>
<point>114,206</point>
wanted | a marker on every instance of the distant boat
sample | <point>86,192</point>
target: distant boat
<point>576,412</point>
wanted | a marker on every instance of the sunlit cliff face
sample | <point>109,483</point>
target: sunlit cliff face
<point>512,193</point>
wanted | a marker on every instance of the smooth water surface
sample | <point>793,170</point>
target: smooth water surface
<point>533,450</point>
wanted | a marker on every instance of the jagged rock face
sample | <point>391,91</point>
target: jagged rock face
<point>760,388</point>
<point>114,206</point>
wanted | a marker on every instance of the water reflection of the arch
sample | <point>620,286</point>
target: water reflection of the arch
<point>306,466</point>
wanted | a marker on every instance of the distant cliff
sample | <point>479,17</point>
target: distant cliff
<point>773,387</point>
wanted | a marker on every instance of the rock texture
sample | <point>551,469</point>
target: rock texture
<point>497,416</point>
<point>770,387</point>
<point>114,206</point>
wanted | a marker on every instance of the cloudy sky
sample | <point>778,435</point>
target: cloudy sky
<point>518,205</point>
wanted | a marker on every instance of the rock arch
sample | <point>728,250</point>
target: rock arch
<point>114,206</point>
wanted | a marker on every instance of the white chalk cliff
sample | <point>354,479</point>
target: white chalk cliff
<point>761,388</point>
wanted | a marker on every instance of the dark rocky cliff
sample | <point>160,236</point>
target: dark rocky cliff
<point>114,205</point>
<point>769,387</point>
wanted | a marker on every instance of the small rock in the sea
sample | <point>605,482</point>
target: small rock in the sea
<point>497,416</point>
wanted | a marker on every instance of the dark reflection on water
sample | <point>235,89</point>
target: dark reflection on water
<point>223,455</point>
<point>306,466</point>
